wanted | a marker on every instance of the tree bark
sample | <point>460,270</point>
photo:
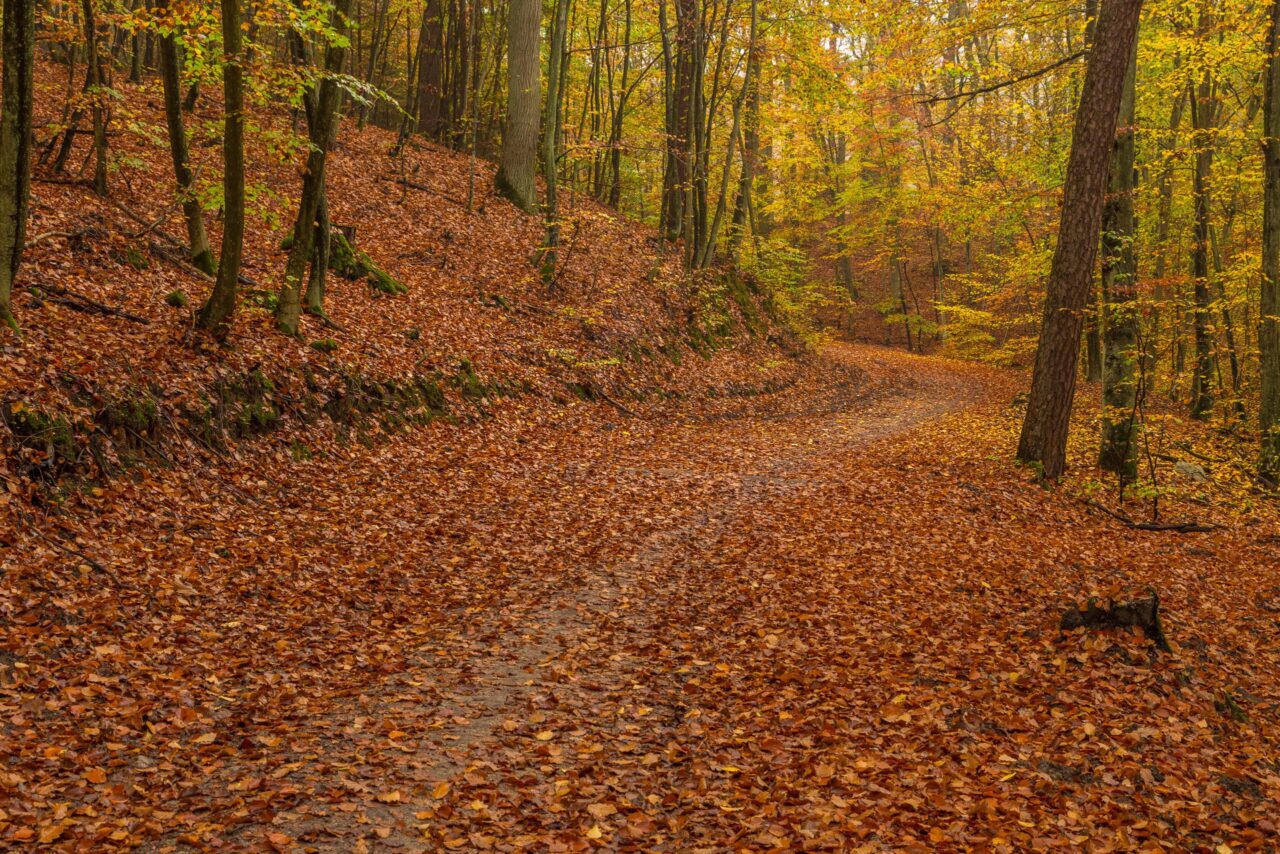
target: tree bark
<point>1269,319</point>
<point>1119,294</point>
<point>515,178</point>
<point>322,117</point>
<point>201,256</point>
<point>1044,430</point>
<point>216,314</point>
<point>15,144</point>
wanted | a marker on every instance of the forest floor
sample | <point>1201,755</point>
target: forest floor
<point>785,628</point>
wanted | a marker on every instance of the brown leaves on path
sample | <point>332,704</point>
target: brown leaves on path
<point>829,631</point>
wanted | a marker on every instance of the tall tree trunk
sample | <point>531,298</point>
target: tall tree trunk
<point>97,94</point>
<point>217,312</point>
<point>551,129</point>
<point>1269,314</point>
<point>322,116</point>
<point>1119,293</point>
<point>15,144</point>
<point>515,178</point>
<point>1048,420</point>
<point>201,256</point>
<point>1202,119</point>
<point>431,71</point>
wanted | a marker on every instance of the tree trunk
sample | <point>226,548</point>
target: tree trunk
<point>201,256</point>
<point>551,128</point>
<point>217,312</point>
<point>322,116</point>
<point>1119,293</point>
<point>1044,431</point>
<point>1202,119</point>
<point>1269,315</point>
<point>515,178</point>
<point>97,94</point>
<point>15,145</point>
<point>430,71</point>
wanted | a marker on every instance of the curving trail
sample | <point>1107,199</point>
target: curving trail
<point>832,629</point>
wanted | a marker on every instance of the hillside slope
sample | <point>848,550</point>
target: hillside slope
<point>89,393</point>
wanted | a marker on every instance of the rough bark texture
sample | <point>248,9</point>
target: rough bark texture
<point>1119,291</point>
<point>1269,324</point>
<point>15,145</point>
<point>217,312</point>
<point>201,256</point>
<point>431,71</point>
<point>1044,431</point>
<point>515,179</point>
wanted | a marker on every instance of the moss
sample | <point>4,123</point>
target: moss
<point>351,263</point>
<point>136,258</point>
<point>256,417</point>
<point>50,434</point>
<point>325,345</point>
<point>176,299</point>
<point>468,382</point>
<point>299,451</point>
<point>136,411</point>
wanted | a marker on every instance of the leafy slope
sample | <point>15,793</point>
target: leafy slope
<point>621,322</point>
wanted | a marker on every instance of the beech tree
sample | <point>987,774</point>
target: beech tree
<point>518,165</point>
<point>221,305</point>
<point>192,210</point>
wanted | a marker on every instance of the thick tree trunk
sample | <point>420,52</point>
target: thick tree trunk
<point>1119,293</point>
<point>515,178</point>
<point>1269,320</point>
<point>1048,419</point>
<point>217,312</point>
<point>15,144</point>
<point>431,71</point>
<point>201,256</point>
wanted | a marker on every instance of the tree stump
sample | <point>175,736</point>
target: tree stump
<point>1144,613</point>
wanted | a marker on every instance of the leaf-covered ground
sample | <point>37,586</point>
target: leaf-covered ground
<point>783,628</point>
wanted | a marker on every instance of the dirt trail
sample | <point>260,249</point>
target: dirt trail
<point>805,629</point>
<point>522,652</point>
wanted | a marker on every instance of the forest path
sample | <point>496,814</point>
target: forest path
<point>566,647</point>
<point>565,629</point>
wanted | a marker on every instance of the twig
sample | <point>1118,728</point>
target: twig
<point>1174,527</point>
<point>49,235</point>
<point>1022,78</point>
<point>405,182</point>
<point>80,302</point>
<point>65,549</point>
